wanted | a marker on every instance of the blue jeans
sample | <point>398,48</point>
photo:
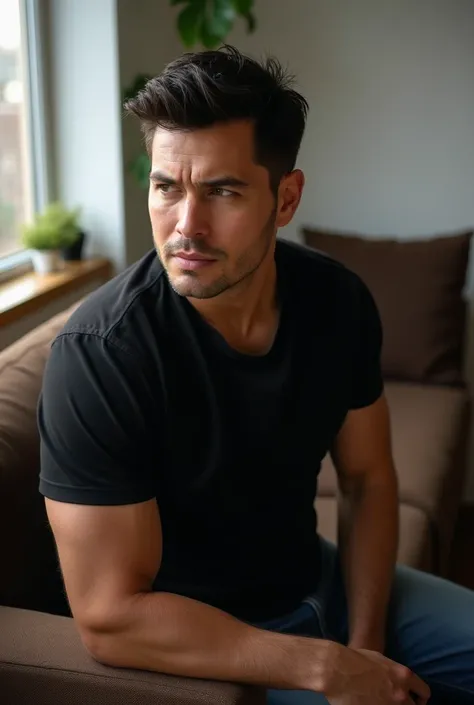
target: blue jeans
<point>430,629</point>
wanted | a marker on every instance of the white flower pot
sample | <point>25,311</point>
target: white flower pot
<point>46,261</point>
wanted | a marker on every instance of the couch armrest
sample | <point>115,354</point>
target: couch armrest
<point>43,661</point>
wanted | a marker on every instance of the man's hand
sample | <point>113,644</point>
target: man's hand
<point>372,642</point>
<point>358,677</point>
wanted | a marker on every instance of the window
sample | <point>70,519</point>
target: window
<point>22,183</point>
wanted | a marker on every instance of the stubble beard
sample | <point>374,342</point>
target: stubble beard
<point>247,265</point>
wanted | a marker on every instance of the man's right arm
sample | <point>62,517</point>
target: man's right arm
<point>98,417</point>
<point>109,558</point>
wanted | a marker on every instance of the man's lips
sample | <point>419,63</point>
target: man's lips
<point>192,260</point>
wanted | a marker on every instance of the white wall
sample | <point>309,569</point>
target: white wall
<point>389,146</point>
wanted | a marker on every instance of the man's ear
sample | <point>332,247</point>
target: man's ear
<point>290,191</point>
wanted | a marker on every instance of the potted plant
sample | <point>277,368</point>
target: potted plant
<point>53,230</point>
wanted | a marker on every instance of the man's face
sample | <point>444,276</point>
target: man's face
<point>213,214</point>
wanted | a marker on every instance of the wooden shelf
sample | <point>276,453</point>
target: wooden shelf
<point>29,292</point>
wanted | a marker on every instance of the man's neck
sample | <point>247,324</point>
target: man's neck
<point>246,315</point>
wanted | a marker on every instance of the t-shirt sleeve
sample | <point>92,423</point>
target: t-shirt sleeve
<point>94,416</point>
<point>367,379</point>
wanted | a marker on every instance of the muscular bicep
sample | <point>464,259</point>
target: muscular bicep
<point>108,555</point>
<point>362,449</point>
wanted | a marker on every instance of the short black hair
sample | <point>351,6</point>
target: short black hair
<point>200,89</point>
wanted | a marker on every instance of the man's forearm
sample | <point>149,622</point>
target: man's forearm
<point>171,634</point>
<point>368,543</point>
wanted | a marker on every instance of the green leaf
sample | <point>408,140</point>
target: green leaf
<point>140,168</point>
<point>218,20</point>
<point>243,7</point>
<point>190,22</point>
<point>208,40</point>
<point>210,21</point>
<point>251,22</point>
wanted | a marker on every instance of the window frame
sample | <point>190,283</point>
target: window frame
<point>33,22</point>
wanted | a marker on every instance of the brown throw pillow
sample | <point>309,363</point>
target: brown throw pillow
<point>417,285</point>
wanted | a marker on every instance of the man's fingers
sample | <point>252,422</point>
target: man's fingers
<point>416,700</point>
<point>419,690</point>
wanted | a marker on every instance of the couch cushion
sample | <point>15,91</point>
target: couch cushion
<point>26,548</point>
<point>416,545</point>
<point>43,661</point>
<point>417,285</point>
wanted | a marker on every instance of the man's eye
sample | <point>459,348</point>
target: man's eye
<point>164,188</point>
<point>222,192</point>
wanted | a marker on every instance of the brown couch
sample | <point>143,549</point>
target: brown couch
<point>41,657</point>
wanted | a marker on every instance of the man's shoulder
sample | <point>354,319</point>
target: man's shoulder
<point>114,310</point>
<point>314,273</point>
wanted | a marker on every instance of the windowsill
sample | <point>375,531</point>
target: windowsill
<point>13,265</point>
<point>28,293</point>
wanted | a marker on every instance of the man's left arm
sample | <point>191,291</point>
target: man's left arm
<point>368,520</point>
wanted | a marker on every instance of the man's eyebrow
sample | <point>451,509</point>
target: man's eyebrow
<point>157,175</point>
<point>222,181</point>
<point>218,182</point>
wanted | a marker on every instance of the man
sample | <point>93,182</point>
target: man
<point>185,411</point>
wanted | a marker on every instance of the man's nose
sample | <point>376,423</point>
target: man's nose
<point>193,220</point>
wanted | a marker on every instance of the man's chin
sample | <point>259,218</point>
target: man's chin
<point>189,286</point>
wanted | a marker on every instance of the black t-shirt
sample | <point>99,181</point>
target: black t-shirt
<point>143,399</point>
